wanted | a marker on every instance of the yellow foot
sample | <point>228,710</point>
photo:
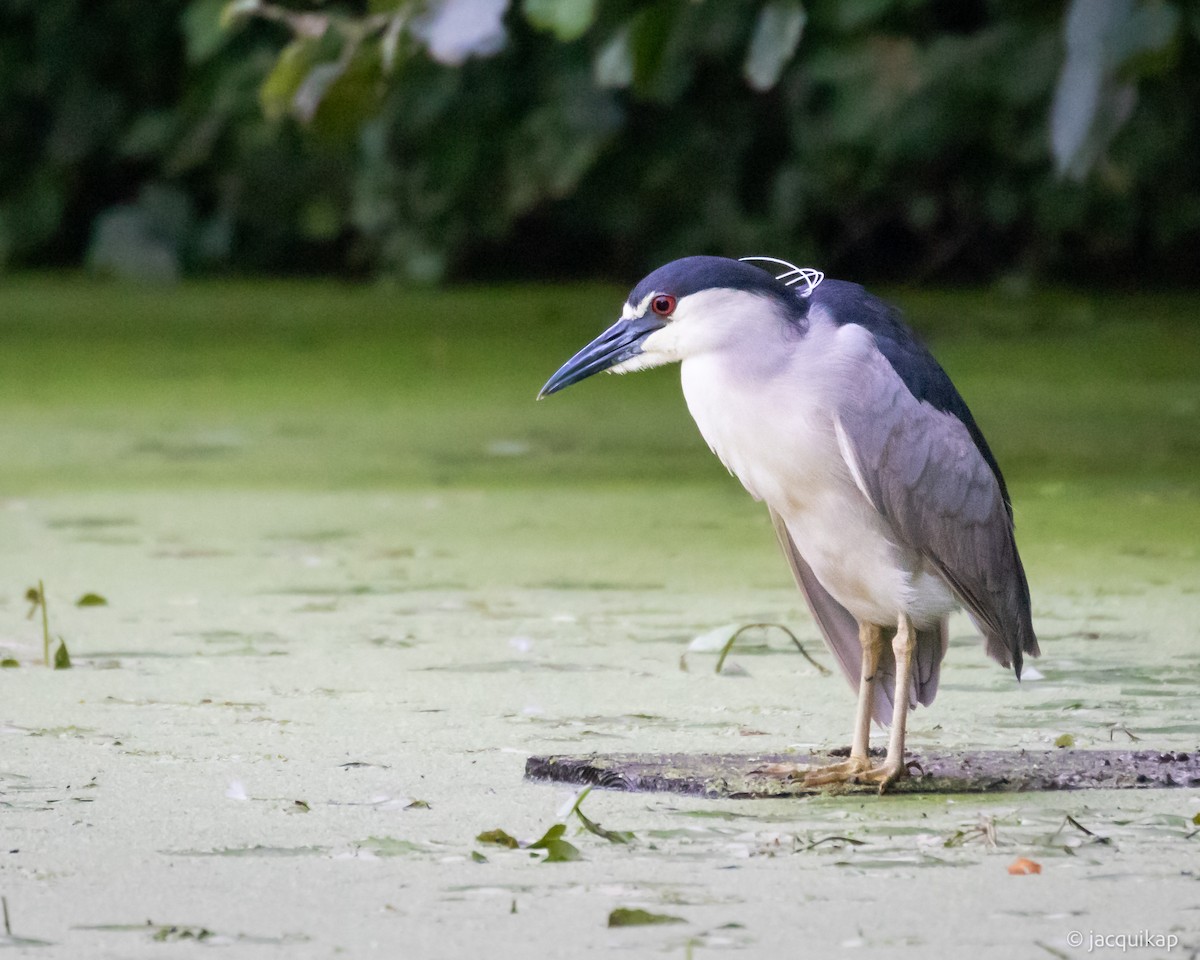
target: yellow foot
<point>885,774</point>
<point>848,771</point>
<point>854,770</point>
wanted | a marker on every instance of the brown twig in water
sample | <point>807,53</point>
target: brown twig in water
<point>1096,838</point>
<point>824,671</point>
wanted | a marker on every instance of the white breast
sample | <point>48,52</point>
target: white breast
<point>772,423</point>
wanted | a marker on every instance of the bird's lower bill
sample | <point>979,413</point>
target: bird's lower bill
<point>615,345</point>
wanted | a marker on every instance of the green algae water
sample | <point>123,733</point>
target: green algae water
<point>355,575</point>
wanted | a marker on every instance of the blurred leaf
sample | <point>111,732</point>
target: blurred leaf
<point>613,65</point>
<point>627,917</point>
<point>317,82</point>
<point>278,90</point>
<point>853,15</point>
<point>124,244</point>
<point>204,23</point>
<point>649,37</point>
<point>62,659</point>
<point>144,240</point>
<point>150,134</point>
<point>91,600</point>
<point>1104,39</point>
<point>776,36</point>
<point>1148,46</point>
<point>237,10</point>
<point>8,663</point>
<point>1065,740</point>
<point>454,30</point>
<point>567,19</point>
<point>346,97</point>
<point>31,212</point>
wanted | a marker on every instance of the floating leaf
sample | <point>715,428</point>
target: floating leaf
<point>91,600</point>
<point>390,846</point>
<point>173,933</point>
<point>612,836</point>
<point>296,806</point>
<point>1023,866</point>
<point>837,840</point>
<point>557,849</point>
<point>627,917</point>
<point>417,805</point>
<point>498,838</point>
<point>477,857</point>
<point>8,663</point>
<point>1066,740</point>
<point>62,659</point>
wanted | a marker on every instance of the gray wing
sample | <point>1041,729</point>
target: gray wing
<point>921,468</point>
<point>840,630</point>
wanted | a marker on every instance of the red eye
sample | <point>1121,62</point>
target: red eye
<point>663,305</point>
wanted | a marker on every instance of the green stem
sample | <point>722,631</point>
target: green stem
<point>45,624</point>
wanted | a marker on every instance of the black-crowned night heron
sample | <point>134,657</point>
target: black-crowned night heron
<point>888,503</point>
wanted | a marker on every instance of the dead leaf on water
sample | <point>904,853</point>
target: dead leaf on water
<point>498,838</point>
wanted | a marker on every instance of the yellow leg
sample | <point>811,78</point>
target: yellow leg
<point>870,635</point>
<point>904,645</point>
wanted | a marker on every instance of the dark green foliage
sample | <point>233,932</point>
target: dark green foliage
<point>874,137</point>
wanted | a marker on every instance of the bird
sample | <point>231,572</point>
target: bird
<point>886,499</point>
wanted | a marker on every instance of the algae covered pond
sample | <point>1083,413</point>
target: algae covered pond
<point>355,576</point>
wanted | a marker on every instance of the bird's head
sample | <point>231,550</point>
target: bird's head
<point>687,308</point>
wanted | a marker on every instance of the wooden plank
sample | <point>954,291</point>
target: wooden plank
<point>741,776</point>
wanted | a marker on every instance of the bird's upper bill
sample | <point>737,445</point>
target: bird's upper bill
<point>620,342</point>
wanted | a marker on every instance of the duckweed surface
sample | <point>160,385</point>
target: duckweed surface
<point>354,577</point>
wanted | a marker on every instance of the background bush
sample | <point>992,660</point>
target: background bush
<point>946,139</point>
